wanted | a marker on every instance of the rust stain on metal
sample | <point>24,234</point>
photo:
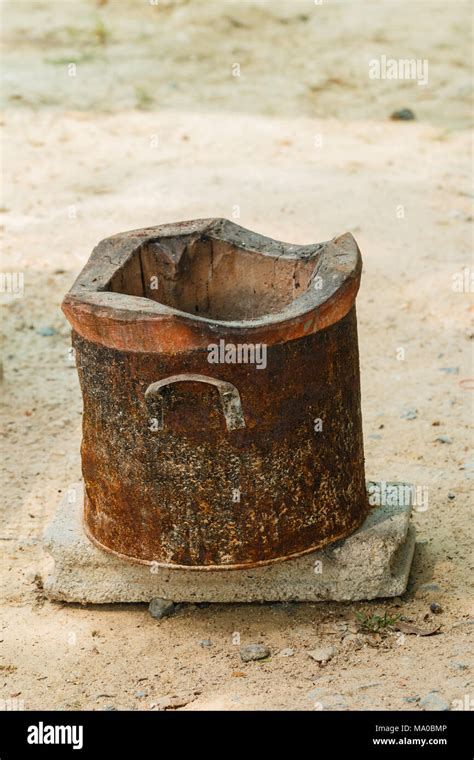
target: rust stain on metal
<point>215,466</point>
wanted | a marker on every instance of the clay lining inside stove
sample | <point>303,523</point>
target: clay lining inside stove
<point>213,278</point>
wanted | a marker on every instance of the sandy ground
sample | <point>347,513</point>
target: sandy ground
<point>154,128</point>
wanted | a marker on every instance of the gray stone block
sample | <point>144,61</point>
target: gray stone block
<point>373,562</point>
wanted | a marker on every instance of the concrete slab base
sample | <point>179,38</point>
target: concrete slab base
<point>373,562</point>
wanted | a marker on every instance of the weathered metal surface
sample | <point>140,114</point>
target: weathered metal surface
<point>219,466</point>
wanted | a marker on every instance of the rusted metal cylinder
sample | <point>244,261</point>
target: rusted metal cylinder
<point>220,377</point>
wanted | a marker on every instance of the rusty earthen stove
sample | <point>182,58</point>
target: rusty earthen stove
<point>222,449</point>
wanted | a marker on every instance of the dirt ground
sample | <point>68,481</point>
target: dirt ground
<point>153,128</point>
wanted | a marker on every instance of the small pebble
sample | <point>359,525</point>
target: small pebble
<point>354,640</point>
<point>160,608</point>
<point>403,114</point>
<point>251,652</point>
<point>205,643</point>
<point>46,332</point>
<point>434,701</point>
<point>430,587</point>
<point>315,693</point>
<point>334,702</point>
<point>463,622</point>
<point>409,414</point>
<point>286,652</point>
<point>451,496</point>
<point>443,439</point>
<point>141,694</point>
<point>458,665</point>
<point>372,685</point>
<point>323,654</point>
<point>436,608</point>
